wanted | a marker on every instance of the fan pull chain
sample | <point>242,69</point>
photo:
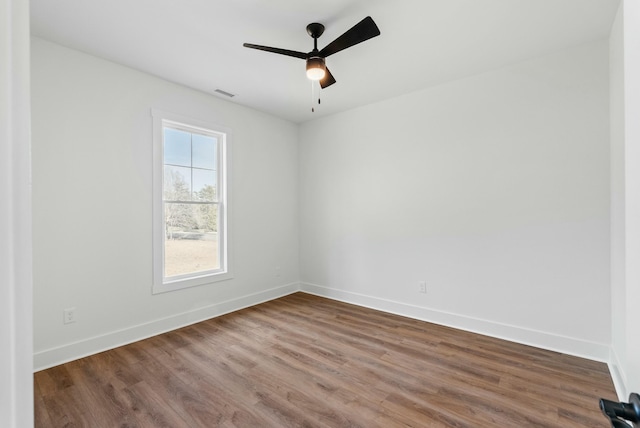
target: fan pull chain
<point>314,87</point>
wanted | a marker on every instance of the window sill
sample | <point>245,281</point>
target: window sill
<point>192,281</point>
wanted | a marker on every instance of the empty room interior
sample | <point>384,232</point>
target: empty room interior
<point>442,230</point>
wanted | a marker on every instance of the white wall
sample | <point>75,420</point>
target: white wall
<point>493,189</point>
<point>16,348</point>
<point>632,189</point>
<point>625,205</point>
<point>92,167</point>
<point>618,287</point>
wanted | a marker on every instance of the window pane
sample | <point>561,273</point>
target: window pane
<point>206,217</point>
<point>204,151</point>
<point>191,238</point>
<point>177,183</point>
<point>177,147</point>
<point>204,185</point>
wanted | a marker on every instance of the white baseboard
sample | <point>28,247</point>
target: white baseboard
<point>73,351</point>
<point>567,345</point>
<point>618,376</point>
<point>539,339</point>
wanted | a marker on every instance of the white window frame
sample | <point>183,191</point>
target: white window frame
<point>161,283</point>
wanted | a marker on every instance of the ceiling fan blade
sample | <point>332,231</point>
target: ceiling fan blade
<point>363,30</point>
<point>327,80</point>
<point>286,52</point>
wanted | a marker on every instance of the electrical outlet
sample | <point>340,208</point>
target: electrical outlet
<point>69,315</point>
<point>277,271</point>
<point>422,286</point>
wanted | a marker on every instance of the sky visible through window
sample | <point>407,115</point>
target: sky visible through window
<point>191,156</point>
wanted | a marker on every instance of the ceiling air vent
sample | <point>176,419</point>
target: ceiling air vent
<point>225,93</point>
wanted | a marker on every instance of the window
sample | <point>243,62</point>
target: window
<point>190,209</point>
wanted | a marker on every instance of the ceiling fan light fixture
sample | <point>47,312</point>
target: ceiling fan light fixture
<point>316,69</point>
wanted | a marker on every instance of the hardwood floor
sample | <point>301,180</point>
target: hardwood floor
<point>305,361</point>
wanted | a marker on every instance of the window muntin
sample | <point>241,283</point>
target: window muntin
<point>190,227</point>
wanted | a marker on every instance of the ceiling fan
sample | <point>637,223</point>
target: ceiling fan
<point>316,67</point>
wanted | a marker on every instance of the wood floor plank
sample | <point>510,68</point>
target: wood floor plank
<point>98,394</point>
<point>67,408</point>
<point>188,402</point>
<point>43,385</point>
<point>149,408</point>
<point>306,361</point>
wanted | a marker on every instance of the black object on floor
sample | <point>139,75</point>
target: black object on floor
<point>619,412</point>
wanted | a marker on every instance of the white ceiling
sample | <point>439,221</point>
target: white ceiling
<point>198,43</point>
